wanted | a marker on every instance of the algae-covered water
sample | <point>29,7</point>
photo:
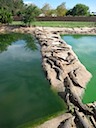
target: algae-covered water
<point>25,94</point>
<point>85,48</point>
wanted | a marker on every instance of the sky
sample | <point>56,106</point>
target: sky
<point>69,3</point>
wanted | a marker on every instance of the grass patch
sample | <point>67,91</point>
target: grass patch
<point>63,24</point>
<point>17,23</point>
<point>58,24</point>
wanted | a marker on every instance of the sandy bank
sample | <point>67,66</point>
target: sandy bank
<point>84,30</point>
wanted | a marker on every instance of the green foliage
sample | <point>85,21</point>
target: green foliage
<point>30,14</point>
<point>5,16</point>
<point>61,10</point>
<point>69,12</point>
<point>80,10</point>
<point>13,6</point>
<point>18,7</point>
<point>9,8</point>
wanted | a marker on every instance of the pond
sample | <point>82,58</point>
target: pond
<point>25,94</point>
<point>85,48</point>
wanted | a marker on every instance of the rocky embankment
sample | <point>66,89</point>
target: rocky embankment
<point>68,76</point>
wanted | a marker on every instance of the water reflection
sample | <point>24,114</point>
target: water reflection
<point>77,36</point>
<point>17,51</point>
<point>8,39</point>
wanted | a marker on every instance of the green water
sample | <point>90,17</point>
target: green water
<point>25,94</point>
<point>85,48</point>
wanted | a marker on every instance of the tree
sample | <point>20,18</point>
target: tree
<point>30,14</point>
<point>80,10</point>
<point>46,10</point>
<point>5,16</point>
<point>61,9</point>
<point>69,12</point>
<point>13,6</point>
<point>17,7</point>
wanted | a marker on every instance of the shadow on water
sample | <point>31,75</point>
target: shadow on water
<point>25,94</point>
